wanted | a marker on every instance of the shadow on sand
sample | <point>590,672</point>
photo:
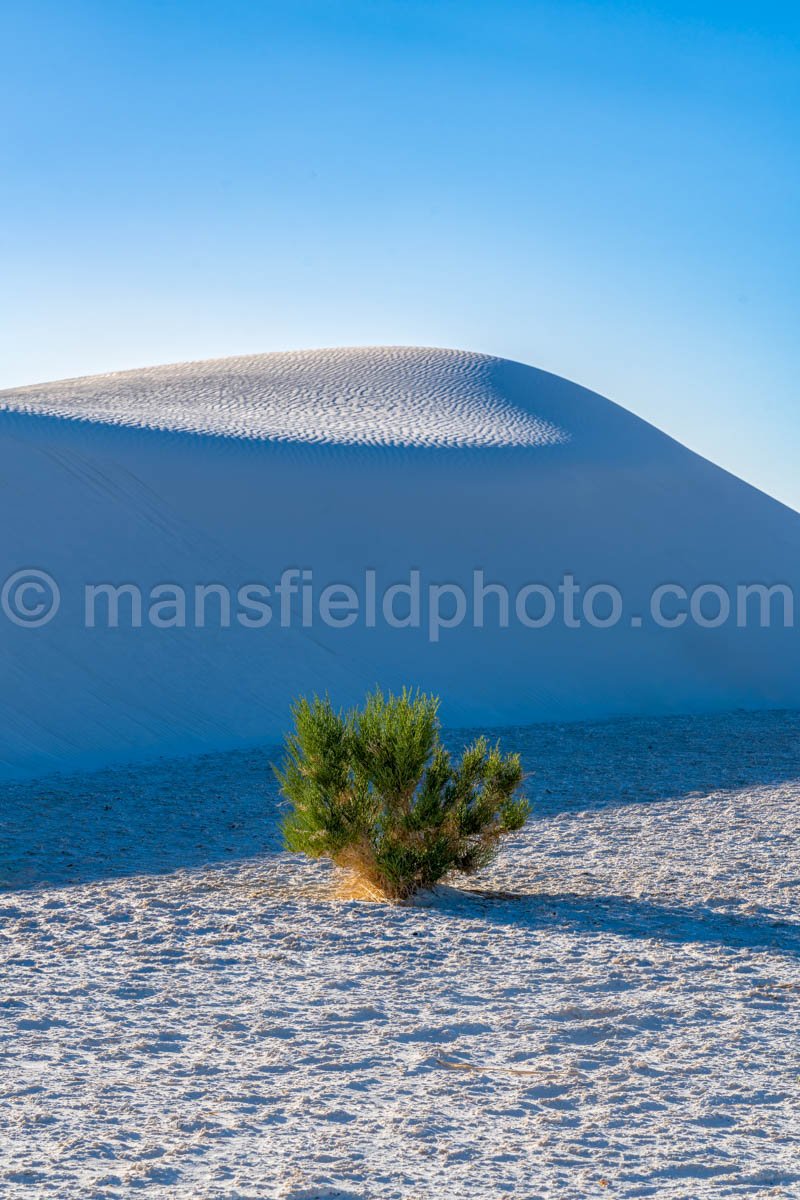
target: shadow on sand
<point>626,916</point>
<point>212,809</point>
<point>602,764</point>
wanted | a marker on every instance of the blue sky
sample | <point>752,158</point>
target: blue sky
<point>608,191</point>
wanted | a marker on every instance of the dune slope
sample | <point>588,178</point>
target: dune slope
<point>340,464</point>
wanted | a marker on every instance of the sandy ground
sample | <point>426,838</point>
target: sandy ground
<point>188,1012</point>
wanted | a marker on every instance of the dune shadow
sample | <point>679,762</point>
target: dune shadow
<point>600,764</point>
<point>624,916</point>
<point>150,818</point>
<point>167,815</point>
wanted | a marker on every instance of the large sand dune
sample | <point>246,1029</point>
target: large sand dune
<point>341,462</point>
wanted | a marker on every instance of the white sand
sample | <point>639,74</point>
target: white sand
<point>373,396</point>
<point>190,1013</point>
<point>342,462</point>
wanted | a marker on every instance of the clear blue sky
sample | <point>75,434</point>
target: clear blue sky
<point>609,191</point>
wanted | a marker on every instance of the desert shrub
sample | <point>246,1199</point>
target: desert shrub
<point>375,790</point>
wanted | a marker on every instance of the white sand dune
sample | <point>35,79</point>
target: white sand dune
<point>345,461</point>
<point>362,397</point>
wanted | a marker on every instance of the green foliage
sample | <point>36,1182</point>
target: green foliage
<point>375,790</point>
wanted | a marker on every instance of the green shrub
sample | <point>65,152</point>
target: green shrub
<point>375,791</point>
